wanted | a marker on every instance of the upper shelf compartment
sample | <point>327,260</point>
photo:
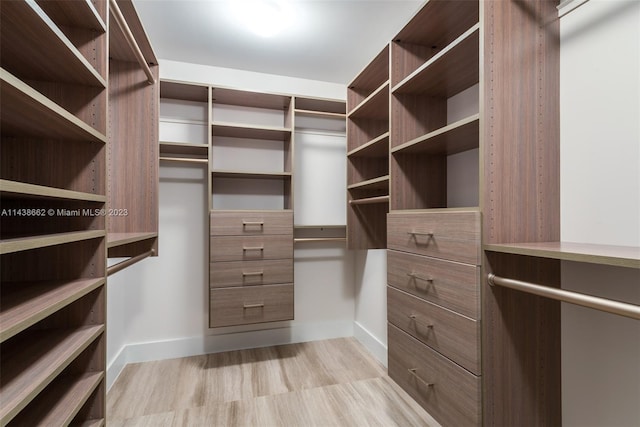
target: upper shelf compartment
<point>369,80</point>
<point>183,91</point>
<point>57,60</point>
<point>243,98</point>
<point>430,31</point>
<point>76,14</point>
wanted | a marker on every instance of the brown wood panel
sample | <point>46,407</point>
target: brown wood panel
<point>418,181</point>
<point>452,285</point>
<point>367,225</point>
<point>78,14</point>
<point>454,397</point>
<point>237,223</point>
<point>133,167</point>
<point>250,273</point>
<point>361,131</point>
<point>376,106</point>
<point>249,248</point>
<point>407,57</point>
<point>457,137</point>
<point>245,98</point>
<point>256,304</point>
<point>369,79</point>
<point>453,236</point>
<point>413,116</point>
<point>361,169</point>
<point>376,147</point>
<point>455,336</point>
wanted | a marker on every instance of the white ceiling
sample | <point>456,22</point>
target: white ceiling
<point>327,40</point>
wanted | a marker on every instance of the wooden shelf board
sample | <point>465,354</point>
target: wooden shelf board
<point>77,14</point>
<point>14,188</point>
<point>57,60</point>
<point>323,114</point>
<point>251,175</point>
<point>621,256</point>
<point>375,106</point>
<point>41,356</point>
<point>320,105</point>
<point>370,200</point>
<point>183,91</point>
<point>34,242</point>
<point>452,70</point>
<point>464,209</point>
<point>235,130</point>
<point>26,112</point>
<point>379,183</point>
<point>92,423</point>
<point>250,99</point>
<point>119,239</point>
<point>26,303</point>
<point>457,137</point>
<point>377,147</point>
<point>176,148</point>
<point>62,401</point>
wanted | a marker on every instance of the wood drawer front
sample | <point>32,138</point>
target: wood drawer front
<point>250,273</point>
<point>240,223</point>
<point>255,304</point>
<point>453,236</point>
<point>449,284</point>
<point>456,337</point>
<point>454,397</point>
<point>250,248</point>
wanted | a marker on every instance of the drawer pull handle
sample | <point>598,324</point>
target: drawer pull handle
<point>252,248</point>
<point>259,305</point>
<point>255,223</point>
<point>252,273</point>
<point>418,277</point>
<point>412,371</point>
<point>414,318</point>
<point>421,233</point>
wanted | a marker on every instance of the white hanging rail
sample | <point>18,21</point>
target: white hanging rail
<point>597,303</point>
<point>131,40</point>
<point>184,159</point>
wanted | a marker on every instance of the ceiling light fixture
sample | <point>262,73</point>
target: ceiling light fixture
<point>263,17</point>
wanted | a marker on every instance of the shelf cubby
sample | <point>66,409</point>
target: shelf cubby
<point>235,130</point>
<point>379,183</point>
<point>12,189</point>
<point>374,75</point>
<point>177,149</point>
<point>320,107</point>
<point>455,138</point>
<point>376,148</point>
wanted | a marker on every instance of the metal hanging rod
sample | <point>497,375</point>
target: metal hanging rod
<point>597,303</point>
<point>131,40</point>
<point>184,159</point>
<point>319,239</point>
<point>127,262</point>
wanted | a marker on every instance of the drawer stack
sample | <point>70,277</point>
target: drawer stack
<point>433,310</point>
<point>251,267</point>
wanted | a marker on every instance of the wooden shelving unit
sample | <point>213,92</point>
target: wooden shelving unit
<point>133,167</point>
<point>368,155</point>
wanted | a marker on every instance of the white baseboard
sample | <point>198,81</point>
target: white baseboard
<point>377,348</point>
<point>206,344</point>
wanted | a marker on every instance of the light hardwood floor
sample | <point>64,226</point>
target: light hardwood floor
<point>322,383</point>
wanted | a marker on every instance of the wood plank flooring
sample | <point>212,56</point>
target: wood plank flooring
<point>322,383</point>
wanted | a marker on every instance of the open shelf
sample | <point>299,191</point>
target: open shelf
<point>250,99</point>
<point>621,256</point>
<point>377,147</point>
<point>250,175</point>
<point>26,112</point>
<point>62,402</point>
<point>24,303</point>
<point>183,91</point>
<point>56,60</point>
<point>379,183</point>
<point>235,130</point>
<point>370,200</point>
<point>327,107</point>
<point>77,14</point>
<point>375,106</point>
<point>368,80</point>
<point>434,27</point>
<point>184,149</point>
<point>449,72</point>
<point>41,241</point>
<point>120,239</point>
<point>457,137</point>
<point>10,189</point>
<point>35,361</point>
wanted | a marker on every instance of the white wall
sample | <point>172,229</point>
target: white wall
<point>600,203</point>
<point>158,308</point>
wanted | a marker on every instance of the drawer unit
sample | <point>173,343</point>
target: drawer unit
<point>256,304</point>
<point>452,285</point>
<point>448,392</point>
<point>455,336</point>
<point>242,223</point>
<point>245,248</point>
<point>250,273</point>
<point>452,236</point>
